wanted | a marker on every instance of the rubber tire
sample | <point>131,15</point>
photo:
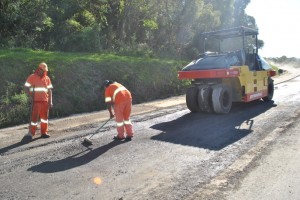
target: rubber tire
<point>270,90</point>
<point>191,99</point>
<point>205,99</point>
<point>221,99</point>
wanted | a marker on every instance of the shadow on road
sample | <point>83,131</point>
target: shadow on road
<point>74,160</point>
<point>212,131</point>
<point>18,144</point>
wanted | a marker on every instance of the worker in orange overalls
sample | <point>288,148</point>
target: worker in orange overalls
<point>38,86</point>
<point>118,98</point>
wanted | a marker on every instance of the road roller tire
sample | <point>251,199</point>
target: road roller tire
<point>221,99</point>
<point>270,90</point>
<point>205,98</point>
<point>191,99</point>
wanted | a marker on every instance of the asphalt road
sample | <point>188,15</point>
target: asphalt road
<point>174,154</point>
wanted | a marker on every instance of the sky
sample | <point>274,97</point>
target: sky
<point>278,24</point>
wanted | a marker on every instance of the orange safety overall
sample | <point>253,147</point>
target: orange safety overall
<point>121,99</point>
<point>38,87</point>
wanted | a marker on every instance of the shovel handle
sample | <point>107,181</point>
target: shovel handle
<point>100,128</point>
<point>103,124</point>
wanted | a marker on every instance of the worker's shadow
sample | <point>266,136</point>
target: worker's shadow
<point>18,144</point>
<point>74,160</point>
<point>212,131</point>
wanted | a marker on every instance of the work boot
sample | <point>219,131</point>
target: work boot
<point>118,139</point>
<point>128,138</point>
<point>45,135</point>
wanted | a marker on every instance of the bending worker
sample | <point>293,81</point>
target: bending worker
<point>38,86</point>
<point>117,97</point>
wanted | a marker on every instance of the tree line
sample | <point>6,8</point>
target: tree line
<point>170,27</point>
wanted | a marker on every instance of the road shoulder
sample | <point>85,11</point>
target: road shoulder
<point>277,174</point>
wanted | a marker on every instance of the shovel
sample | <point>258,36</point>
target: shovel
<point>88,140</point>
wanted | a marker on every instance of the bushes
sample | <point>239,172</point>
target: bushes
<point>13,107</point>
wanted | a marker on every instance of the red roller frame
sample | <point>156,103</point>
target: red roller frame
<point>214,73</point>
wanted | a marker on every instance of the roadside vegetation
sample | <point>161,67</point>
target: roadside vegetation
<point>150,27</point>
<point>284,60</point>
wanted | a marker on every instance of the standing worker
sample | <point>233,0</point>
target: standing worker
<point>39,88</point>
<point>119,98</point>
